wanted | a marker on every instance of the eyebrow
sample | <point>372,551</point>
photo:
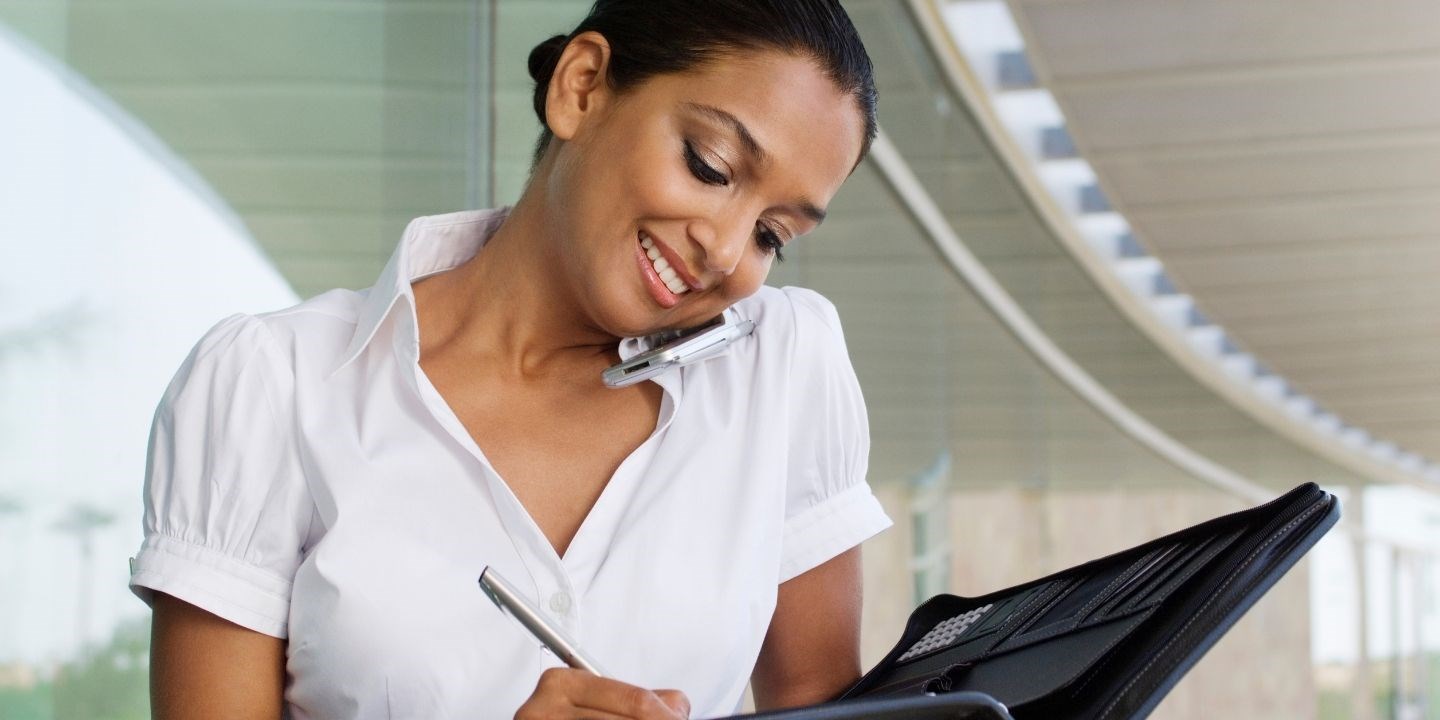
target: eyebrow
<point>752,148</point>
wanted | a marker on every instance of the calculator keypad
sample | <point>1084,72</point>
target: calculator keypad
<point>945,634</point>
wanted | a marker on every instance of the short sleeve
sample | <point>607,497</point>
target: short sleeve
<point>829,507</point>
<point>226,505</point>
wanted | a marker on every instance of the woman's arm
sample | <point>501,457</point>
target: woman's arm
<point>204,667</point>
<point>812,651</point>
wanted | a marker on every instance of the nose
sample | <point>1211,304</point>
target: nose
<point>723,243</point>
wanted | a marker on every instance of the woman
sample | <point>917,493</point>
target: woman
<point>327,481</point>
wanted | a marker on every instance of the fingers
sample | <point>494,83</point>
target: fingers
<point>570,693</point>
<point>676,701</point>
<point>629,701</point>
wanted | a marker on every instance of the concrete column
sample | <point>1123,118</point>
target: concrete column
<point>1362,696</point>
<point>1398,686</point>
<point>1420,578</point>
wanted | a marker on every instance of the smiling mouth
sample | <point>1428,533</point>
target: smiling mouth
<point>671,279</point>
<point>658,289</point>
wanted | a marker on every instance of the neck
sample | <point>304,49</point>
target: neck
<point>510,305</point>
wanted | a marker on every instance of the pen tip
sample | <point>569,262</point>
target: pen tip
<point>488,592</point>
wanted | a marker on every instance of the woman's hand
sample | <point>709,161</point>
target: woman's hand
<point>569,693</point>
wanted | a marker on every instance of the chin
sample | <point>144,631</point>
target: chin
<point>628,319</point>
<point>638,321</point>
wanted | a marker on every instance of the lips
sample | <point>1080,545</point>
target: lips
<point>659,290</point>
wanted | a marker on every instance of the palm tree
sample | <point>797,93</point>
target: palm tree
<point>58,326</point>
<point>82,521</point>
<point>9,508</point>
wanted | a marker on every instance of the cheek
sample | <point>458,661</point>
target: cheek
<point>658,188</point>
<point>747,278</point>
<point>619,178</point>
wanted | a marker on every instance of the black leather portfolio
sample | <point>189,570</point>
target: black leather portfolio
<point>1105,640</point>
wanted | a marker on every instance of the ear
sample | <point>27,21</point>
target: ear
<point>577,87</point>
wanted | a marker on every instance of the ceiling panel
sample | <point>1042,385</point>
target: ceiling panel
<point>1184,177</point>
<point>1147,37</point>
<point>1283,159</point>
<point>1240,106</point>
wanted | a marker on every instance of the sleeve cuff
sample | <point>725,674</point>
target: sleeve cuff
<point>212,581</point>
<point>841,522</point>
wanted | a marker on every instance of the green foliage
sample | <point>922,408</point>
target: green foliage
<point>1432,679</point>
<point>109,683</point>
<point>112,683</point>
<point>1333,705</point>
<point>32,703</point>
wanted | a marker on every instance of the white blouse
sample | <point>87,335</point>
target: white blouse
<point>306,480</point>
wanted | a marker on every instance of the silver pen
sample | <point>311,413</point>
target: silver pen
<point>510,601</point>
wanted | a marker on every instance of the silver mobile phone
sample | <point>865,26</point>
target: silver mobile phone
<point>677,348</point>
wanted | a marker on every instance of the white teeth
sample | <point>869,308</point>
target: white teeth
<point>668,275</point>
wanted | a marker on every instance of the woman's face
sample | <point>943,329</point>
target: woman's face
<point>712,171</point>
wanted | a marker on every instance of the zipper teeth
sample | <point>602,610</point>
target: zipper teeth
<point>1267,534</point>
<point>1247,548</point>
<point>1206,611</point>
<point>1280,520</point>
<point>1267,530</point>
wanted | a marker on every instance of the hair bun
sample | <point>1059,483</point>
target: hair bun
<point>544,57</point>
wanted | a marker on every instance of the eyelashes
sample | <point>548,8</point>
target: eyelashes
<point>702,170</point>
<point>765,237</point>
<point>770,241</point>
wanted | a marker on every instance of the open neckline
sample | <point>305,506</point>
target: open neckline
<point>518,519</point>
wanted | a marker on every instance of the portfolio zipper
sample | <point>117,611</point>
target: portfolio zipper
<point>1206,620</point>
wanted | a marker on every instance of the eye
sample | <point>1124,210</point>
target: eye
<point>769,241</point>
<point>702,170</point>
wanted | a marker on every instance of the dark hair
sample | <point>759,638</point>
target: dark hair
<point>655,37</point>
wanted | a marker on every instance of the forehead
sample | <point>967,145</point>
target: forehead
<point>810,129</point>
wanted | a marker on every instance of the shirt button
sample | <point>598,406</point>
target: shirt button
<point>560,602</point>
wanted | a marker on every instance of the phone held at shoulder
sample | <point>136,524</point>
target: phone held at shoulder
<point>677,348</point>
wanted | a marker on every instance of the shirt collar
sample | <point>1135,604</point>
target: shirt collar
<point>429,245</point>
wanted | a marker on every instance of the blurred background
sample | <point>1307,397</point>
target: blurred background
<point>1114,268</point>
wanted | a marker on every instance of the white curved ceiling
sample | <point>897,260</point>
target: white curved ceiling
<point>1283,160</point>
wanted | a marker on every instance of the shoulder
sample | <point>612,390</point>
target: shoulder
<point>796,356</point>
<point>283,342</point>
<point>797,318</point>
<point>318,329</point>
<point>787,300</point>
